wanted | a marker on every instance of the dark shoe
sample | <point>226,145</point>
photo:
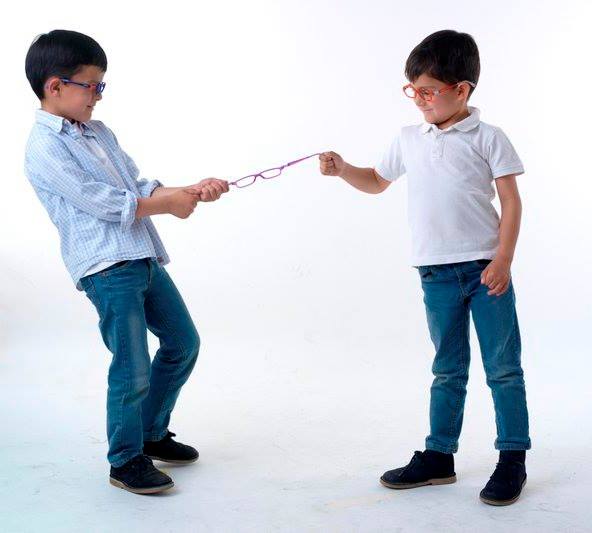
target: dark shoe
<point>505,485</point>
<point>140,476</point>
<point>169,451</point>
<point>425,468</point>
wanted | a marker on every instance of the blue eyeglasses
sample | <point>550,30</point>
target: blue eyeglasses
<point>98,87</point>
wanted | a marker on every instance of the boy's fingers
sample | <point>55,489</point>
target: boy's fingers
<point>493,290</point>
<point>215,191</point>
<point>494,287</point>
<point>505,288</point>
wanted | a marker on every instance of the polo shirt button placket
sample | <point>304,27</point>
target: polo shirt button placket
<point>438,147</point>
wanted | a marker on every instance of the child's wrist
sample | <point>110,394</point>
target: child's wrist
<point>503,258</point>
<point>344,171</point>
<point>166,203</point>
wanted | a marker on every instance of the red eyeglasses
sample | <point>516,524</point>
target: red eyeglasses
<point>427,94</point>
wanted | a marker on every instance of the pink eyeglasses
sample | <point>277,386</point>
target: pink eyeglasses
<point>266,174</point>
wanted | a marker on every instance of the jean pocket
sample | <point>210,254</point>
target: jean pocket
<point>89,288</point>
<point>114,268</point>
<point>426,273</point>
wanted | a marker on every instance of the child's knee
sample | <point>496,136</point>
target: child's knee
<point>191,344</point>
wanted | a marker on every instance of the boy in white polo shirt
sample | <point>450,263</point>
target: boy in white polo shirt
<point>463,251</point>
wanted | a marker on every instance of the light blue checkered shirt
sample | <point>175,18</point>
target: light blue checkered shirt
<point>93,210</point>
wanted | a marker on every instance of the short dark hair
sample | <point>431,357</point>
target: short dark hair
<point>446,55</point>
<point>61,53</point>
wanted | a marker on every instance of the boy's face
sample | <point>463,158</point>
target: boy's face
<point>73,102</point>
<point>440,108</point>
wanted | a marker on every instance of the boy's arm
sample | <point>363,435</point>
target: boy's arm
<point>208,190</point>
<point>50,167</point>
<point>497,274</point>
<point>363,179</point>
<point>180,202</point>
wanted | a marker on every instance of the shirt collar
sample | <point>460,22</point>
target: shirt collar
<point>469,123</point>
<point>58,124</point>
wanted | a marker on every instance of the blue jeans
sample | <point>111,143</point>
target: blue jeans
<point>131,298</point>
<point>451,292</point>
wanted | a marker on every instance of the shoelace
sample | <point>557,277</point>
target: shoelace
<point>504,471</point>
<point>417,457</point>
<point>141,463</point>
<point>169,435</point>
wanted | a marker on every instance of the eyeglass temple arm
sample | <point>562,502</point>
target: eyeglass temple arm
<point>298,160</point>
<point>282,167</point>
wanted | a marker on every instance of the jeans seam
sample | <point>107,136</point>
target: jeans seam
<point>184,352</point>
<point>126,369</point>
<point>459,392</point>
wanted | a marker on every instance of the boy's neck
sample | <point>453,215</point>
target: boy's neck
<point>46,106</point>
<point>461,114</point>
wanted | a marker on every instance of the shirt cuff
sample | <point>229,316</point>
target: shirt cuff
<point>150,186</point>
<point>128,213</point>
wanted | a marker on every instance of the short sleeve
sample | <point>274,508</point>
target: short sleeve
<point>391,166</point>
<point>502,157</point>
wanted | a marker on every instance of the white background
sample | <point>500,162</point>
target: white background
<point>315,365</point>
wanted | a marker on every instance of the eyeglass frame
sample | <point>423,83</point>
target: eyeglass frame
<point>260,174</point>
<point>99,87</point>
<point>434,92</point>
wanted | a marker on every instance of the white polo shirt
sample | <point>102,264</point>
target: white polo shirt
<point>450,187</point>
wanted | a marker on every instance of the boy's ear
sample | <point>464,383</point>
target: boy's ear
<point>52,86</point>
<point>463,90</point>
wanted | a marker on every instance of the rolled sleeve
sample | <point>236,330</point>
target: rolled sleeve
<point>146,187</point>
<point>128,212</point>
<point>51,167</point>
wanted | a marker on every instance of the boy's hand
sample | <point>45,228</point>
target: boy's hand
<point>182,203</point>
<point>210,189</point>
<point>497,277</point>
<point>332,164</point>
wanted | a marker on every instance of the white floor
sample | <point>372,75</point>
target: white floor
<point>293,437</point>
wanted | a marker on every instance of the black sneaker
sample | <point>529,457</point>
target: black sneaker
<point>140,476</point>
<point>425,468</point>
<point>505,485</point>
<point>169,451</point>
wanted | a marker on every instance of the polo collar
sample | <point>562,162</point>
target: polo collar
<point>467,124</point>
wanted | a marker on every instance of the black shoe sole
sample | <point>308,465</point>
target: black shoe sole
<point>173,461</point>
<point>435,481</point>
<point>147,490</point>
<point>500,503</point>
